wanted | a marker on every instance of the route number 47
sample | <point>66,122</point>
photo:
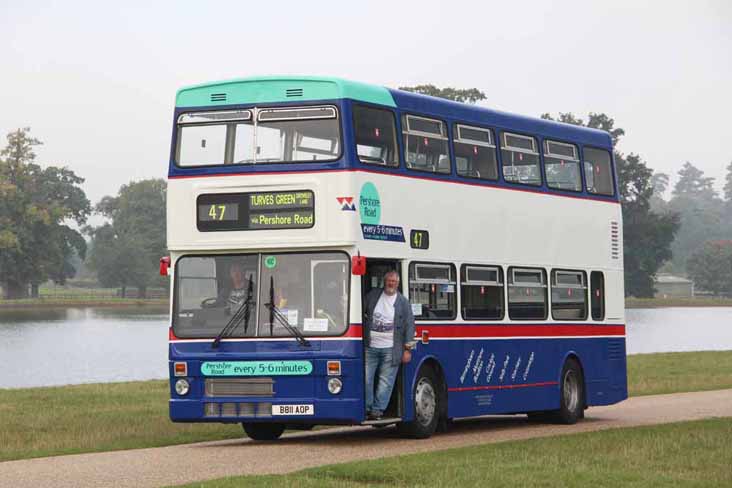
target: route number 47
<point>216,212</point>
<point>419,239</point>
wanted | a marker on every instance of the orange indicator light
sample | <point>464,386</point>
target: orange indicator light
<point>334,368</point>
<point>180,369</point>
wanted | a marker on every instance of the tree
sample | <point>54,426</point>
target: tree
<point>647,234</point>
<point>126,251</point>
<point>660,183</point>
<point>470,95</point>
<point>711,267</point>
<point>36,206</point>
<point>701,211</point>
<point>693,183</point>
<point>728,184</point>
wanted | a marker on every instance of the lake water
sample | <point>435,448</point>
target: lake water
<point>90,345</point>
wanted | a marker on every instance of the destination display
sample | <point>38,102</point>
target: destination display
<point>256,211</point>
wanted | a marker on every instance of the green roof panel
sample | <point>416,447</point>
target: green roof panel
<point>273,89</point>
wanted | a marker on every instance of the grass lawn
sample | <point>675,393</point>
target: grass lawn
<point>678,302</point>
<point>672,372</point>
<point>40,422</point>
<point>689,453</point>
<point>102,417</point>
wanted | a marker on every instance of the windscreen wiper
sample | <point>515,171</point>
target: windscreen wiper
<point>276,315</point>
<point>243,312</point>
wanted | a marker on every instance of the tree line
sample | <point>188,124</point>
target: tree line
<point>44,234</point>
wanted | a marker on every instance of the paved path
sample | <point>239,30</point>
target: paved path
<point>194,462</point>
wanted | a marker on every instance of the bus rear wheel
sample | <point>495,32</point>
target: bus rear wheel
<point>571,394</point>
<point>427,406</point>
<point>264,432</point>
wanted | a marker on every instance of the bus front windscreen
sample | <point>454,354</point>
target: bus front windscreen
<point>258,136</point>
<point>306,291</point>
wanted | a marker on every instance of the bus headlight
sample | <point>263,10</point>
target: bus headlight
<point>182,387</point>
<point>335,385</point>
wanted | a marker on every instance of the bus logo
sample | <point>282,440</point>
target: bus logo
<point>346,204</point>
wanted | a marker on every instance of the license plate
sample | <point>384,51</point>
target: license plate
<point>293,410</point>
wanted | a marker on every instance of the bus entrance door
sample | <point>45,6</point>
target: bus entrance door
<point>373,279</point>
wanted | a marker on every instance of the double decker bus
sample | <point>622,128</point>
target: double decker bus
<point>289,198</point>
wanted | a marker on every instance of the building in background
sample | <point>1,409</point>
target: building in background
<point>667,285</point>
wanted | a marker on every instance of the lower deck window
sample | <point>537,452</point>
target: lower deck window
<point>481,291</point>
<point>527,297</point>
<point>569,295</point>
<point>432,290</point>
<point>597,294</point>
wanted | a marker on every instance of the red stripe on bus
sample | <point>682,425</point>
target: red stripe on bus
<point>355,330</point>
<point>503,387</point>
<point>547,330</point>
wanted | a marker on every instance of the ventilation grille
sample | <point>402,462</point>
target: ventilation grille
<point>293,92</point>
<point>231,409</point>
<point>614,240</point>
<point>218,97</point>
<point>239,387</point>
<point>616,349</point>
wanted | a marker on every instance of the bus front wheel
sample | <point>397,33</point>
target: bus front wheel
<point>427,406</point>
<point>264,432</point>
<point>572,394</point>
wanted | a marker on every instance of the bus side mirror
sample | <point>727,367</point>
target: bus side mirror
<point>358,265</point>
<point>164,265</point>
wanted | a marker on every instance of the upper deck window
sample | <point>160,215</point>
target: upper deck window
<point>562,166</point>
<point>425,144</point>
<point>520,159</point>
<point>598,172</point>
<point>211,138</point>
<point>475,152</point>
<point>288,134</point>
<point>297,135</point>
<point>375,136</point>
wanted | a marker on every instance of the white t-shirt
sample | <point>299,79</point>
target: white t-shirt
<point>382,323</point>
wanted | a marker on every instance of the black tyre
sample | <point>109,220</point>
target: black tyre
<point>539,417</point>
<point>427,406</point>
<point>571,394</point>
<point>264,432</point>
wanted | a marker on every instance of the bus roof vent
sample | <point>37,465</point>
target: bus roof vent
<point>218,97</point>
<point>293,92</point>
<point>614,240</point>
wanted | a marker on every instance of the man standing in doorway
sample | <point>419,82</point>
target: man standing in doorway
<point>389,336</point>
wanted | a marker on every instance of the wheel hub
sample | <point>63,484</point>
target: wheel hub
<point>425,401</point>
<point>571,391</point>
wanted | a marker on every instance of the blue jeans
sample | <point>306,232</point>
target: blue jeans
<point>378,364</point>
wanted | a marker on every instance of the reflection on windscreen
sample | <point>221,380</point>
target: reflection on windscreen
<point>309,289</point>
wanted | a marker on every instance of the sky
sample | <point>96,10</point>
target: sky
<point>96,81</point>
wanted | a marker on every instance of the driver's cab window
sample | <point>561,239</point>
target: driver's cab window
<point>263,294</point>
<point>375,136</point>
<point>209,291</point>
